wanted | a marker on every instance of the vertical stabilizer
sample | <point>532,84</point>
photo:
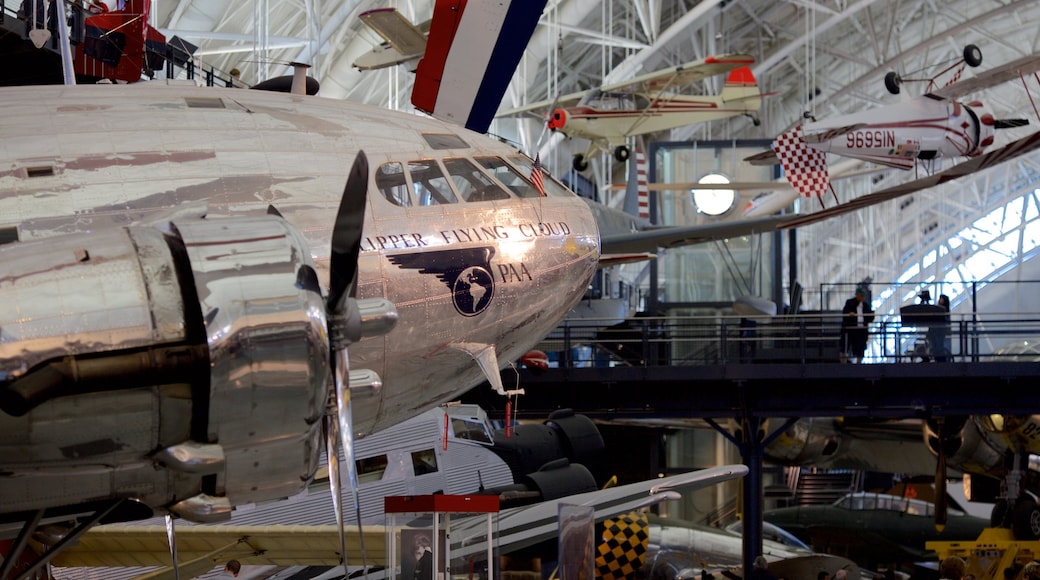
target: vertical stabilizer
<point>637,192</point>
<point>471,54</point>
<point>805,167</point>
<point>741,89</point>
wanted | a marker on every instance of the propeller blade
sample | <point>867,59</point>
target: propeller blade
<point>346,235</point>
<point>332,453</point>
<point>346,437</point>
<point>171,538</point>
<point>1010,123</point>
<point>343,275</point>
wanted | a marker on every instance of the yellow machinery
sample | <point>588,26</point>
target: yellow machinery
<point>995,551</point>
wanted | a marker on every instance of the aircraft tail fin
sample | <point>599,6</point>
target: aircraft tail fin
<point>804,166</point>
<point>742,86</point>
<point>471,54</point>
<point>637,192</point>
<point>120,45</point>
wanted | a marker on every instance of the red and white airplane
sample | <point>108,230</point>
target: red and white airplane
<point>649,103</point>
<point>931,126</point>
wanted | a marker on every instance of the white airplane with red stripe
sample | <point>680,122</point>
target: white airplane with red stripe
<point>649,103</point>
<point>926,127</point>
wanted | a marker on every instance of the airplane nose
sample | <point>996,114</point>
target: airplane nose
<point>558,119</point>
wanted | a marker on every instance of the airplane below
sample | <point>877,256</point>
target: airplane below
<point>874,529</point>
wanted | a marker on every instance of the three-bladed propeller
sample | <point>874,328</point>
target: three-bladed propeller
<point>346,325</point>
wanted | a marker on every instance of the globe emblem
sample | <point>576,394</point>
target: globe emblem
<point>473,290</point>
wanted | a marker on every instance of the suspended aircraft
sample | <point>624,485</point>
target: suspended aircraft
<point>923,128</point>
<point>648,103</point>
<point>403,42</point>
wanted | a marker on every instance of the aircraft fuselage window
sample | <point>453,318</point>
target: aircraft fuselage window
<point>471,430</point>
<point>371,468</point>
<point>424,462</point>
<point>429,183</point>
<point>392,184</point>
<point>471,183</point>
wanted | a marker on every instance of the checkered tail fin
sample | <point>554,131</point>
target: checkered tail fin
<point>805,167</point>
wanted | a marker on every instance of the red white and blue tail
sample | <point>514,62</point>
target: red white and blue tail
<point>471,54</point>
<point>637,192</point>
<point>805,167</point>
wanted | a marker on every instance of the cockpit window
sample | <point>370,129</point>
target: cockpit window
<point>526,168</point>
<point>391,183</point>
<point>471,429</point>
<point>429,183</point>
<point>471,182</point>
<point>508,176</point>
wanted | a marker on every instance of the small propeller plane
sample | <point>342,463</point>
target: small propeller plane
<point>926,127</point>
<point>649,103</point>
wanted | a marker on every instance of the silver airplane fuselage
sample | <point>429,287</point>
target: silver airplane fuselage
<point>466,274</point>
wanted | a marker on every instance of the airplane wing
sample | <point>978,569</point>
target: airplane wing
<point>538,108</point>
<point>201,547</point>
<point>648,240</point>
<point>390,24</point>
<point>681,75</point>
<point>528,525</point>
<point>1006,153</point>
<point>403,40</point>
<point>1008,72</point>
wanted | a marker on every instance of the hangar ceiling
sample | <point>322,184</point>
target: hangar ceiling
<point>825,57</point>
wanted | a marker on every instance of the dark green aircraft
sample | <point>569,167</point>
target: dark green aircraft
<point>873,529</point>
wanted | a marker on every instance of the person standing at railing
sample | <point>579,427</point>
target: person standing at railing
<point>939,331</point>
<point>856,316</point>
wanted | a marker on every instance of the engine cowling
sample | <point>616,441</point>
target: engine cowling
<point>967,446</point>
<point>186,368</point>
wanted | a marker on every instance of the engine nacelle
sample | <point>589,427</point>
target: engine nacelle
<point>809,441</point>
<point>968,447</point>
<point>564,435</point>
<point>187,370</point>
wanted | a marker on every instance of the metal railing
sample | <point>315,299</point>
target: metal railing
<point>795,339</point>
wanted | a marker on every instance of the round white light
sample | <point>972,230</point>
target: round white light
<point>713,201</point>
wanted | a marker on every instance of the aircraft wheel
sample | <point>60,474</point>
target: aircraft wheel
<point>998,518</point>
<point>621,153</point>
<point>579,162</point>
<point>1025,521</point>
<point>972,55</point>
<point>892,82</point>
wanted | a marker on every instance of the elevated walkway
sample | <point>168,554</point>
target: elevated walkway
<point>721,367</point>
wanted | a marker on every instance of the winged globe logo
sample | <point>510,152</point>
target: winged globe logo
<point>466,272</point>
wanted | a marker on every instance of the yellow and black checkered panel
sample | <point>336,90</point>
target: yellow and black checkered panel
<point>623,548</point>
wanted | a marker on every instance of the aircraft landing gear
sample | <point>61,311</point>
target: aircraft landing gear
<point>892,82</point>
<point>972,55</point>
<point>579,163</point>
<point>1025,519</point>
<point>621,153</point>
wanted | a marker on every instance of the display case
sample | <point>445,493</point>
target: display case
<point>438,537</point>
